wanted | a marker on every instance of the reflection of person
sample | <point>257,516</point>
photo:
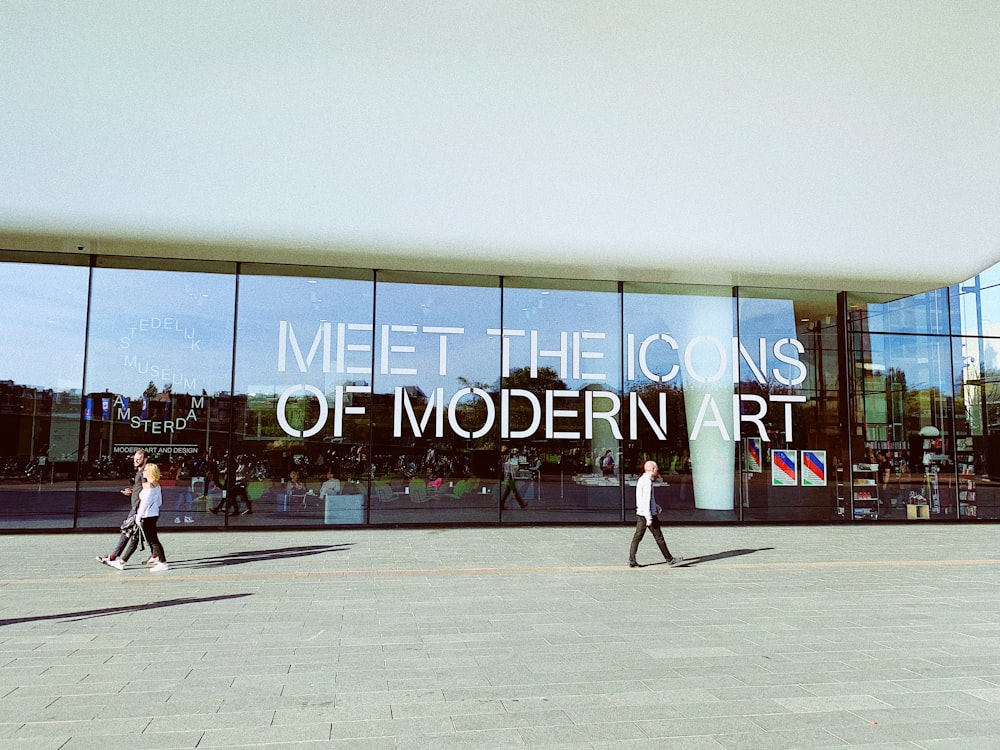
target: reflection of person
<point>233,492</point>
<point>185,494</point>
<point>296,488</point>
<point>535,466</point>
<point>239,488</point>
<point>139,459</point>
<point>884,470</point>
<point>608,464</point>
<point>646,511</point>
<point>510,468</point>
<point>331,486</point>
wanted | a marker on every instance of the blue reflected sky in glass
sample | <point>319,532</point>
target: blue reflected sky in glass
<point>166,326</point>
<point>771,320</point>
<point>980,305</point>
<point>472,355</point>
<point>44,325</point>
<point>672,314</point>
<point>551,312</point>
<point>306,303</point>
<point>920,313</point>
<point>924,360</point>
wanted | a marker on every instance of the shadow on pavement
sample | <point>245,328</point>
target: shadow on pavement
<point>689,561</point>
<point>252,556</point>
<point>107,611</point>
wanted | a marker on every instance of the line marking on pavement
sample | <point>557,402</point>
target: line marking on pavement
<point>180,572</point>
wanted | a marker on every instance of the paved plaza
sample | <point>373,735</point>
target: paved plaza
<point>863,636</point>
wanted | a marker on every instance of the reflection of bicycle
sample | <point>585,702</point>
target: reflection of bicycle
<point>31,470</point>
<point>9,468</point>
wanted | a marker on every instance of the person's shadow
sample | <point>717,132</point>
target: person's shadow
<point>689,561</point>
<point>107,611</point>
<point>258,555</point>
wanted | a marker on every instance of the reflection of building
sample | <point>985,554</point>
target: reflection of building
<point>26,419</point>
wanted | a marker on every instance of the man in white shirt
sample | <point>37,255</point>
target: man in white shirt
<point>646,511</point>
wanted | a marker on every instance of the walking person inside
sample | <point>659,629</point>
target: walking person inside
<point>646,517</point>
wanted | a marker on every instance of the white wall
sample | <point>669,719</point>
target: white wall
<point>844,144</point>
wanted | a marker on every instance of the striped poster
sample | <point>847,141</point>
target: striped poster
<point>754,462</point>
<point>784,468</point>
<point>814,468</point>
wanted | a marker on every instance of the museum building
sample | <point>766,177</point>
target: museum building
<point>350,265</point>
<point>322,396</point>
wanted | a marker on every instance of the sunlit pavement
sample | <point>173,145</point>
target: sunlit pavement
<point>770,637</point>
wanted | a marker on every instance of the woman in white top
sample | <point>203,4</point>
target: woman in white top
<point>150,500</point>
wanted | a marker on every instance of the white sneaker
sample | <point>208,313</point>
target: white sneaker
<point>153,560</point>
<point>177,519</point>
<point>159,567</point>
<point>188,519</point>
<point>116,564</point>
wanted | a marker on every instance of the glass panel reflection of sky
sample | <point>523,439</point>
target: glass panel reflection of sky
<point>431,336</point>
<point>591,322</point>
<point>172,328</point>
<point>925,361</point>
<point>43,325</point>
<point>771,320</point>
<point>678,316</point>
<point>306,304</point>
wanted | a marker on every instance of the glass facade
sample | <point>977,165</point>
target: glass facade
<point>304,397</point>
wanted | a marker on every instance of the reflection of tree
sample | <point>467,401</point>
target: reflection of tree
<point>545,380</point>
<point>521,412</point>
<point>649,393</point>
<point>472,412</point>
<point>980,398</point>
<point>901,401</point>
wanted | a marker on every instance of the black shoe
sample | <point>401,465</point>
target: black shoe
<point>523,505</point>
<point>673,562</point>
<point>633,565</point>
<point>247,512</point>
<point>214,510</point>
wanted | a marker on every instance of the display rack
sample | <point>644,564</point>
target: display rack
<point>967,490</point>
<point>864,484</point>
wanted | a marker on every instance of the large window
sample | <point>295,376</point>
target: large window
<point>435,426</point>
<point>678,401</point>
<point>42,333</point>
<point>561,402</point>
<point>793,453</point>
<point>303,381</point>
<point>159,377</point>
<point>903,447</point>
<point>298,396</point>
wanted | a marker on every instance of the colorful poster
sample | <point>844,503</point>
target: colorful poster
<point>784,468</point>
<point>814,468</point>
<point>753,455</point>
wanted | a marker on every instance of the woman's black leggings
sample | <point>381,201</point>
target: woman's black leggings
<point>149,531</point>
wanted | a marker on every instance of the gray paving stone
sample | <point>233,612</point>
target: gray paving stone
<point>522,637</point>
